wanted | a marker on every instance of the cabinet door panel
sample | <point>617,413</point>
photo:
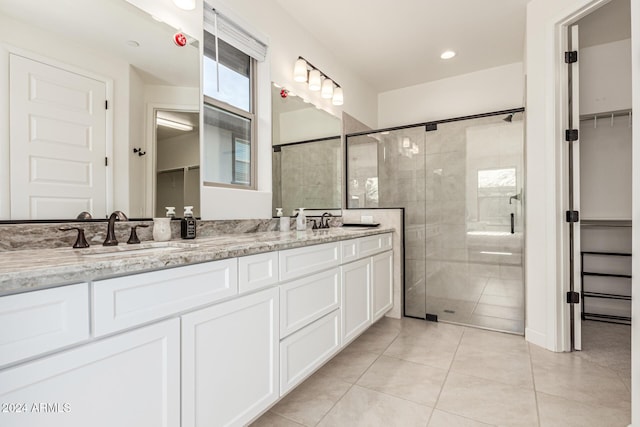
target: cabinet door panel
<point>356,298</point>
<point>299,262</point>
<point>304,351</point>
<point>230,360</point>
<point>123,302</point>
<point>36,322</point>
<point>257,271</point>
<point>132,379</point>
<point>305,300</point>
<point>382,284</point>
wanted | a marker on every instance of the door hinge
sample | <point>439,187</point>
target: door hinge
<point>573,216</point>
<point>571,57</point>
<point>573,297</point>
<point>106,161</point>
<point>106,104</point>
<point>571,135</point>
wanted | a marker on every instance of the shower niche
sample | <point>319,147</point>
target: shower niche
<point>460,182</point>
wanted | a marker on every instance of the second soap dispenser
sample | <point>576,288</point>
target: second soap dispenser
<point>188,224</point>
<point>301,220</point>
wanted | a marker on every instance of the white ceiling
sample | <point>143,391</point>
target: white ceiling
<point>398,44</point>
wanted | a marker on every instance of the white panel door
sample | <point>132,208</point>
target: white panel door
<point>57,142</point>
<point>356,298</point>
<point>381,284</point>
<point>230,359</point>
<point>131,379</point>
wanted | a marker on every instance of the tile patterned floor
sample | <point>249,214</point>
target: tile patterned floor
<point>414,373</point>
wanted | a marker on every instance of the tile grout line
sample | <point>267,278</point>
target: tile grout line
<point>533,380</point>
<point>357,379</point>
<point>446,377</point>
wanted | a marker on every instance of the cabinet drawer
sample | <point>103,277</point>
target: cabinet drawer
<point>36,322</point>
<point>305,300</point>
<point>257,271</point>
<point>349,250</point>
<point>310,259</point>
<point>124,302</point>
<point>304,351</point>
<point>130,379</point>
<point>372,245</point>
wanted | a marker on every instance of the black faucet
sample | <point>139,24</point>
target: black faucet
<point>111,235</point>
<point>324,223</point>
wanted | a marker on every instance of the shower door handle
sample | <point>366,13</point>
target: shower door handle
<point>513,222</point>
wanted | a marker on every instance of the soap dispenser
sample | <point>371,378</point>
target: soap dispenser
<point>188,224</point>
<point>301,220</point>
<point>285,221</point>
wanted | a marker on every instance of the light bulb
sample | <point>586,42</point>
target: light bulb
<point>314,80</point>
<point>338,96</point>
<point>300,71</point>
<point>327,89</point>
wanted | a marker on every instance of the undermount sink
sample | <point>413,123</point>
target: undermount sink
<point>137,249</point>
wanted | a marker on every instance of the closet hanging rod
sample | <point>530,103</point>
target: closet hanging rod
<point>606,114</point>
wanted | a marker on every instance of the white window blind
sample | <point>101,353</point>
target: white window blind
<point>233,34</point>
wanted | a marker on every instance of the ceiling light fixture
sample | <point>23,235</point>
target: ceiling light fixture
<point>304,71</point>
<point>185,4</point>
<point>175,125</point>
<point>447,54</point>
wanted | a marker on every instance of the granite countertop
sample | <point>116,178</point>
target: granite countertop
<point>32,269</point>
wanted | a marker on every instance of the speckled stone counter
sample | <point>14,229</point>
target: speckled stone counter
<point>32,269</point>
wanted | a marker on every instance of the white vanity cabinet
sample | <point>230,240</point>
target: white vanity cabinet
<point>209,344</point>
<point>230,360</point>
<point>130,379</point>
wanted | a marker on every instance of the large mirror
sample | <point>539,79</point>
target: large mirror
<point>65,150</point>
<point>307,155</point>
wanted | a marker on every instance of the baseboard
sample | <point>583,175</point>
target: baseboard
<point>535,337</point>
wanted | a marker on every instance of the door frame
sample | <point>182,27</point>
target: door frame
<point>151,151</point>
<point>5,184</point>
<point>561,315</point>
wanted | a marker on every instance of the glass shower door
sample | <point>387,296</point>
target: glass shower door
<point>474,240</point>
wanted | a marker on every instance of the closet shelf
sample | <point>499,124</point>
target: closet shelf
<point>602,295</point>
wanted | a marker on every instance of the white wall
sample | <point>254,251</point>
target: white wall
<point>605,77</point>
<point>287,41</point>
<point>493,89</point>
<point>304,125</point>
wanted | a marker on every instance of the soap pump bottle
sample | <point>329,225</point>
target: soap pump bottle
<point>285,222</point>
<point>301,220</point>
<point>188,224</point>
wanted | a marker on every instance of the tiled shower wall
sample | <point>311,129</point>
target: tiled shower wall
<point>308,176</point>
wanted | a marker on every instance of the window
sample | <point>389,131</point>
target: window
<point>229,64</point>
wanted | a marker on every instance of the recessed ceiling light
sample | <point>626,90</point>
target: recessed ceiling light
<point>447,54</point>
<point>133,43</point>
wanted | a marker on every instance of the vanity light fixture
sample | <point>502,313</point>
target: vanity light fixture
<point>185,4</point>
<point>175,125</point>
<point>447,54</point>
<point>304,71</point>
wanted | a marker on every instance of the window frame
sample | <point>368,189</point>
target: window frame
<point>253,143</point>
